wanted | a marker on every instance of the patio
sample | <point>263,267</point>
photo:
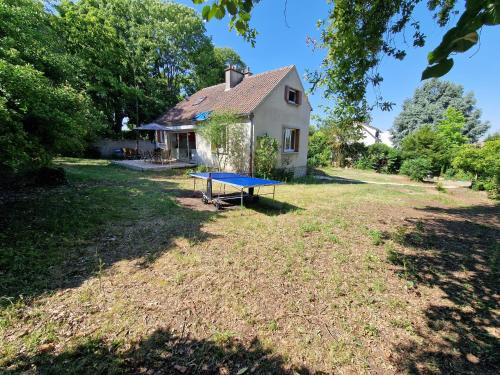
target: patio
<point>141,165</point>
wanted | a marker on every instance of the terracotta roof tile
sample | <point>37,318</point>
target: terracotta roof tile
<point>241,99</point>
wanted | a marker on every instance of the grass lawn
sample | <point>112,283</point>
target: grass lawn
<point>125,272</point>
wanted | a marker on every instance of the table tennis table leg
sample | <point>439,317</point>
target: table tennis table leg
<point>241,198</point>
<point>274,190</point>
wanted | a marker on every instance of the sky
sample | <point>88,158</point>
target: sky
<point>282,43</point>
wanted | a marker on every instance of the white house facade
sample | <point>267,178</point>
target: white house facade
<point>373,135</point>
<point>272,103</point>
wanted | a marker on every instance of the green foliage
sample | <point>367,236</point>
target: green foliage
<point>211,66</point>
<point>226,135</point>
<point>428,107</point>
<point>483,162</point>
<point>266,156</point>
<point>319,153</point>
<point>42,110</point>
<point>239,12</point>
<point>438,145</point>
<point>342,134</point>
<point>137,57</point>
<point>417,169</point>
<point>382,158</point>
<point>463,36</point>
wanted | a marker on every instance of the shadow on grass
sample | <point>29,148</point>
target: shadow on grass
<point>57,238</point>
<point>160,353</point>
<point>456,251</point>
<point>270,207</point>
<point>320,177</point>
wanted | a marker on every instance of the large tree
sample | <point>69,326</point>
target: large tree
<point>43,111</point>
<point>138,56</point>
<point>358,33</point>
<point>428,106</point>
<point>211,67</point>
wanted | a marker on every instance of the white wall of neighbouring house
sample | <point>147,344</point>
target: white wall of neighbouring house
<point>274,114</point>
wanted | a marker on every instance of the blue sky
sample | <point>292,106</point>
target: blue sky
<point>279,44</point>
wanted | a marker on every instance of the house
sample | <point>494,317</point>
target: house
<point>373,135</point>
<point>272,103</point>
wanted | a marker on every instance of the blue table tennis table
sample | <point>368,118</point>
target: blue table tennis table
<point>234,180</point>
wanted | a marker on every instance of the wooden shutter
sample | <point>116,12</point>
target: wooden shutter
<point>297,138</point>
<point>287,90</point>
<point>299,97</point>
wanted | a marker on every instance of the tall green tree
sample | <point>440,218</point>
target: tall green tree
<point>43,111</point>
<point>212,66</point>
<point>428,106</point>
<point>138,57</point>
<point>437,144</point>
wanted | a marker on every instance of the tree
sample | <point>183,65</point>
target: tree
<point>483,162</point>
<point>43,111</point>
<point>341,133</point>
<point>428,105</point>
<point>138,57</point>
<point>438,145</point>
<point>228,140</point>
<point>211,70</point>
<point>358,33</point>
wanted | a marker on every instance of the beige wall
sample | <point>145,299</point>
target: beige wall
<point>274,114</point>
<point>205,156</point>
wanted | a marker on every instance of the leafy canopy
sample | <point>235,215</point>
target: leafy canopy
<point>428,106</point>
<point>43,111</point>
<point>438,145</point>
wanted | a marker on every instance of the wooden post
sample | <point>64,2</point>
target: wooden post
<point>189,153</point>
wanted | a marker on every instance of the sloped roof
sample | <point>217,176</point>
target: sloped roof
<point>241,99</point>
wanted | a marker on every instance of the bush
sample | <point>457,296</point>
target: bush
<point>483,162</point>
<point>266,155</point>
<point>319,153</point>
<point>417,169</point>
<point>363,163</point>
<point>381,158</point>
<point>282,174</point>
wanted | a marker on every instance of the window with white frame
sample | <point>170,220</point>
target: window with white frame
<point>291,140</point>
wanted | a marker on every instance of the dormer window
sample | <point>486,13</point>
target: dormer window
<point>292,96</point>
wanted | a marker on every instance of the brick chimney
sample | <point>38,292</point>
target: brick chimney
<point>247,73</point>
<point>233,77</point>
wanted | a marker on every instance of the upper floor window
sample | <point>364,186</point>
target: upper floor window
<point>293,96</point>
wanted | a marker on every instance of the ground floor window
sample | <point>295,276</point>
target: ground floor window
<point>291,140</point>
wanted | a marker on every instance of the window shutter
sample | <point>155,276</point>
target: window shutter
<point>299,97</point>
<point>297,137</point>
<point>287,89</point>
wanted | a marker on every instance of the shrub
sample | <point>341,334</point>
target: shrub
<point>266,155</point>
<point>380,157</point>
<point>363,163</point>
<point>282,174</point>
<point>417,169</point>
<point>483,162</point>
<point>319,153</point>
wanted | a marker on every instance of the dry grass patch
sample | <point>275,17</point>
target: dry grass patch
<point>338,278</point>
